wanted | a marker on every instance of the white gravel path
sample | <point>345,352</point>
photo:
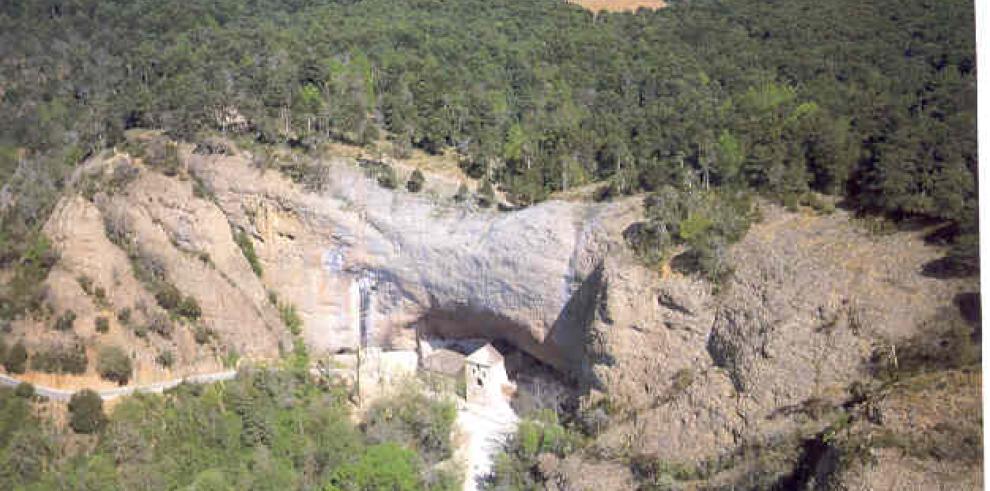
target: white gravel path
<point>484,429</point>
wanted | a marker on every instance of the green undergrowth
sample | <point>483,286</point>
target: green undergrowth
<point>266,429</point>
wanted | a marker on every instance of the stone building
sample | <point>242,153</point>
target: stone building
<point>479,377</point>
<point>486,378</point>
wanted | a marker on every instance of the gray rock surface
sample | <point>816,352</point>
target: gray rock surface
<point>416,260</point>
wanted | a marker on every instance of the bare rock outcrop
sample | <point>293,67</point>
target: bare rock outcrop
<point>690,375</point>
<point>359,260</point>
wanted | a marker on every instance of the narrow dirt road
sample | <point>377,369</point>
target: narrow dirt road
<point>107,394</point>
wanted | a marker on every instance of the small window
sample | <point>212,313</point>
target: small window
<point>479,382</point>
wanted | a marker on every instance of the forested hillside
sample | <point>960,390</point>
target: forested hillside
<point>874,100</point>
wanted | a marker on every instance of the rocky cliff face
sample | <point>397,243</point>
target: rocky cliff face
<point>356,258</point>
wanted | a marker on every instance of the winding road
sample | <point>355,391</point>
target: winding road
<point>107,394</point>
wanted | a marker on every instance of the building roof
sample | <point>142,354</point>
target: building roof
<point>486,355</point>
<point>444,361</point>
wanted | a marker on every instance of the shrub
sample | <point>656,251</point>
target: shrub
<point>383,173</point>
<point>384,466</point>
<point>171,299</point>
<point>416,420</point>
<point>247,248</point>
<point>86,412</point>
<point>101,294</point>
<point>102,324</point>
<point>25,290</point>
<point>69,358</point>
<point>168,296</point>
<point>189,308</point>
<point>534,436</point>
<point>159,324</point>
<point>86,283</point>
<point>113,364</point>
<point>16,359</point>
<point>202,334</point>
<point>291,318</point>
<point>415,182</point>
<point>683,379</point>
<point>24,390</point>
<point>65,321</point>
<point>124,315</point>
<point>165,359</point>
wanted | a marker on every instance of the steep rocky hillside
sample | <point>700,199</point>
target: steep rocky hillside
<point>207,253</point>
<point>729,384</point>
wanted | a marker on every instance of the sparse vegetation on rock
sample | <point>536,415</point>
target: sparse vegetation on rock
<point>247,248</point>
<point>290,317</point>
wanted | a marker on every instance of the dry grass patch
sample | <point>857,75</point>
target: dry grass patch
<point>619,5</point>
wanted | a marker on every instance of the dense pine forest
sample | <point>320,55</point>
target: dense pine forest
<point>872,101</point>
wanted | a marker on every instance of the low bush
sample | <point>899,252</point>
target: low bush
<point>114,365</point>
<point>16,359</point>
<point>86,283</point>
<point>416,420</point>
<point>66,321</point>
<point>24,390</point>
<point>383,466</point>
<point>515,466</point>
<point>171,299</point>
<point>165,359</point>
<point>102,324</point>
<point>706,222</point>
<point>160,324</point>
<point>100,294</point>
<point>31,257</point>
<point>291,319</point>
<point>202,334</point>
<point>86,412</point>
<point>124,315</point>
<point>247,248</point>
<point>61,358</point>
